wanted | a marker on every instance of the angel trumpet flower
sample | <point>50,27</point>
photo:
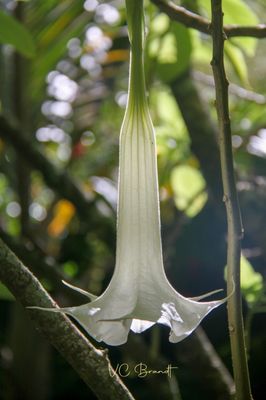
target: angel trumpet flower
<point>139,294</point>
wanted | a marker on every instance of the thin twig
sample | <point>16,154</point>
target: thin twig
<point>235,231</point>
<point>198,355</point>
<point>91,364</point>
<point>192,20</point>
<point>234,89</point>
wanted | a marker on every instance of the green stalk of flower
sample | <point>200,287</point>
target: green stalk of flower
<point>135,18</point>
<point>139,294</point>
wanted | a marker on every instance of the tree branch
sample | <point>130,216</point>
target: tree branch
<point>91,364</point>
<point>195,21</point>
<point>41,269</point>
<point>235,319</point>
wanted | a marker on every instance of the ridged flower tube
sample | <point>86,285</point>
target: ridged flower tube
<point>139,294</point>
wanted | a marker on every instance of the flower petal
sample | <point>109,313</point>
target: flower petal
<point>111,332</point>
<point>192,314</point>
<point>139,325</point>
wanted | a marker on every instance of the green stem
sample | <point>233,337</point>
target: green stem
<point>135,18</point>
<point>235,232</point>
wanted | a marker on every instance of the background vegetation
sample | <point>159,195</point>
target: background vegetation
<point>63,88</point>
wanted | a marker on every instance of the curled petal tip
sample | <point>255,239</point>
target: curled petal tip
<point>77,289</point>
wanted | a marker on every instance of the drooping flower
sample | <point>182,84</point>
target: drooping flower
<point>139,294</point>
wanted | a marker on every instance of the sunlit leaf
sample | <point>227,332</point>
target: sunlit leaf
<point>202,49</point>
<point>170,49</point>
<point>167,110</point>
<point>238,62</point>
<point>237,12</point>
<point>251,281</point>
<point>188,185</point>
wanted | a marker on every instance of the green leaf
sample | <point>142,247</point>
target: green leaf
<point>5,293</point>
<point>52,33</point>
<point>14,33</point>
<point>251,281</point>
<point>160,24</point>
<point>237,12</point>
<point>188,185</point>
<point>167,110</point>
<point>70,268</point>
<point>238,62</point>
<point>171,49</point>
<point>202,48</point>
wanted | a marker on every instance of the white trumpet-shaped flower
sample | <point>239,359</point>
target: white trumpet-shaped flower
<point>139,294</point>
